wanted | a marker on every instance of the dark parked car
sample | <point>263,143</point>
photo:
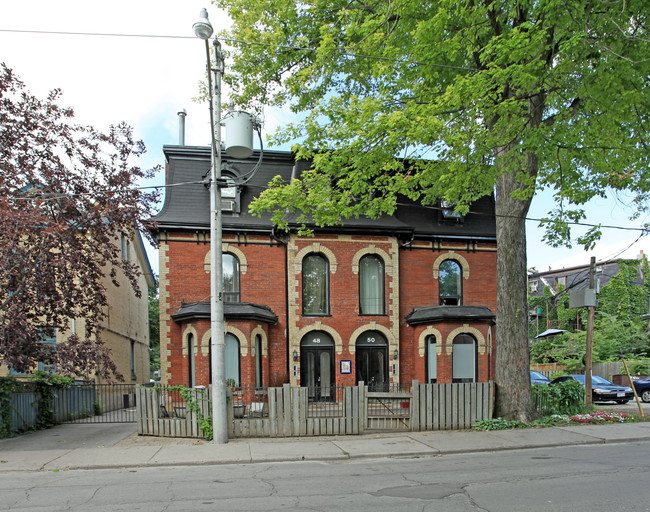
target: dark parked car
<point>642,387</point>
<point>538,378</point>
<point>601,389</point>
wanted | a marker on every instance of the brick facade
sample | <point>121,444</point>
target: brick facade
<point>271,280</point>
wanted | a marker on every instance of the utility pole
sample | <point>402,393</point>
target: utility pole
<point>590,332</point>
<point>203,30</point>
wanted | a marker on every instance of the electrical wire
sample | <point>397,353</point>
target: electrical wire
<point>237,41</point>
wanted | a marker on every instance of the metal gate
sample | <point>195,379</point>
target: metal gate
<point>96,403</point>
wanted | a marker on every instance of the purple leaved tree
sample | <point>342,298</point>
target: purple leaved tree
<point>67,194</point>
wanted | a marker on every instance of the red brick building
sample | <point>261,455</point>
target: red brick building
<point>388,300</point>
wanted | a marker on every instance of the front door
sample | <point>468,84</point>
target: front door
<point>317,365</point>
<point>372,361</point>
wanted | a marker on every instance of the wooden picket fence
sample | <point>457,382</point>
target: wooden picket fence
<point>292,411</point>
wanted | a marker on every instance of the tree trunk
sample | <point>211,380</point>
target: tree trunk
<point>514,399</point>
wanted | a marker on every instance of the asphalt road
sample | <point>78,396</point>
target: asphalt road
<point>575,478</point>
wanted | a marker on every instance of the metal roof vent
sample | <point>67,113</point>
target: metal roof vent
<point>181,127</point>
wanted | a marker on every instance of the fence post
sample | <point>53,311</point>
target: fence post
<point>286,398</point>
<point>415,406</point>
<point>230,411</point>
<point>363,407</point>
<point>273,411</point>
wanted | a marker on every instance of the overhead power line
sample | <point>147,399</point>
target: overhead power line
<point>237,41</point>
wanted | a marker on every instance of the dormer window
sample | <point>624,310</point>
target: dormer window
<point>229,196</point>
<point>228,187</point>
<point>449,214</point>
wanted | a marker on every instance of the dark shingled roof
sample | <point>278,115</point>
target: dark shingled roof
<point>187,207</point>
<point>431,314</point>
<point>231,311</point>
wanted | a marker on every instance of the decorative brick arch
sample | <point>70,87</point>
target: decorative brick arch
<point>465,329</point>
<point>319,326</point>
<point>228,248</point>
<point>265,342</point>
<point>451,255</point>
<point>205,343</point>
<point>388,262</point>
<point>423,337</point>
<point>189,329</point>
<point>372,326</point>
<point>243,340</point>
<point>318,248</point>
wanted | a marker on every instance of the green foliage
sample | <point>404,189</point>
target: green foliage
<point>507,96</point>
<point>473,84</point>
<point>555,312</point>
<point>626,296</point>
<point>549,421</point>
<point>192,404</point>
<point>619,331</point>
<point>562,398</point>
<point>639,367</point>
<point>8,386</point>
<point>498,424</point>
<point>46,384</point>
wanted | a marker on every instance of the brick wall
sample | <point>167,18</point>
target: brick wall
<point>272,275</point>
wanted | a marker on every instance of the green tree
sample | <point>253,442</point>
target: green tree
<point>625,297</point>
<point>509,96</point>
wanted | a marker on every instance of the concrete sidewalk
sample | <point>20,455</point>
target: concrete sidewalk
<point>75,446</point>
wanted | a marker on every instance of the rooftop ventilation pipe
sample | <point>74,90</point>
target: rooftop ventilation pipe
<point>181,127</point>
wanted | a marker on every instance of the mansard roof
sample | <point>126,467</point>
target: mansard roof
<point>187,201</point>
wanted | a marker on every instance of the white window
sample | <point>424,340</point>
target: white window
<point>464,359</point>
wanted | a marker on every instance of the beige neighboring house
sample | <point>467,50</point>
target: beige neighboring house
<point>125,330</point>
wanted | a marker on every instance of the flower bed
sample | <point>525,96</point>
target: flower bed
<point>602,417</point>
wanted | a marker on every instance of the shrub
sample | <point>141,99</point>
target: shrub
<point>562,398</point>
<point>638,367</point>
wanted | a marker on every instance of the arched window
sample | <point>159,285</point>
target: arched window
<point>258,361</point>
<point>371,285</point>
<point>450,284</point>
<point>432,359</point>
<point>190,361</point>
<point>232,360</point>
<point>464,359</point>
<point>315,285</point>
<point>231,289</point>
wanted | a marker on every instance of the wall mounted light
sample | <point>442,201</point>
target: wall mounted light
<point>295,356</point>
<point>395,354</point>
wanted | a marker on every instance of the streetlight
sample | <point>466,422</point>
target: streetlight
<point>203,30</point>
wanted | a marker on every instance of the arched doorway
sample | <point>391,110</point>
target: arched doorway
<point>317,365</point>
<point>372,360</point>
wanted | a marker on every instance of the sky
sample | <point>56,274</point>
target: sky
<point>146,81</point>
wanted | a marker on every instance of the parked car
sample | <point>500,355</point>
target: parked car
<point>538,378</point>
<point>642,387</point>
<point>601,389</point>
